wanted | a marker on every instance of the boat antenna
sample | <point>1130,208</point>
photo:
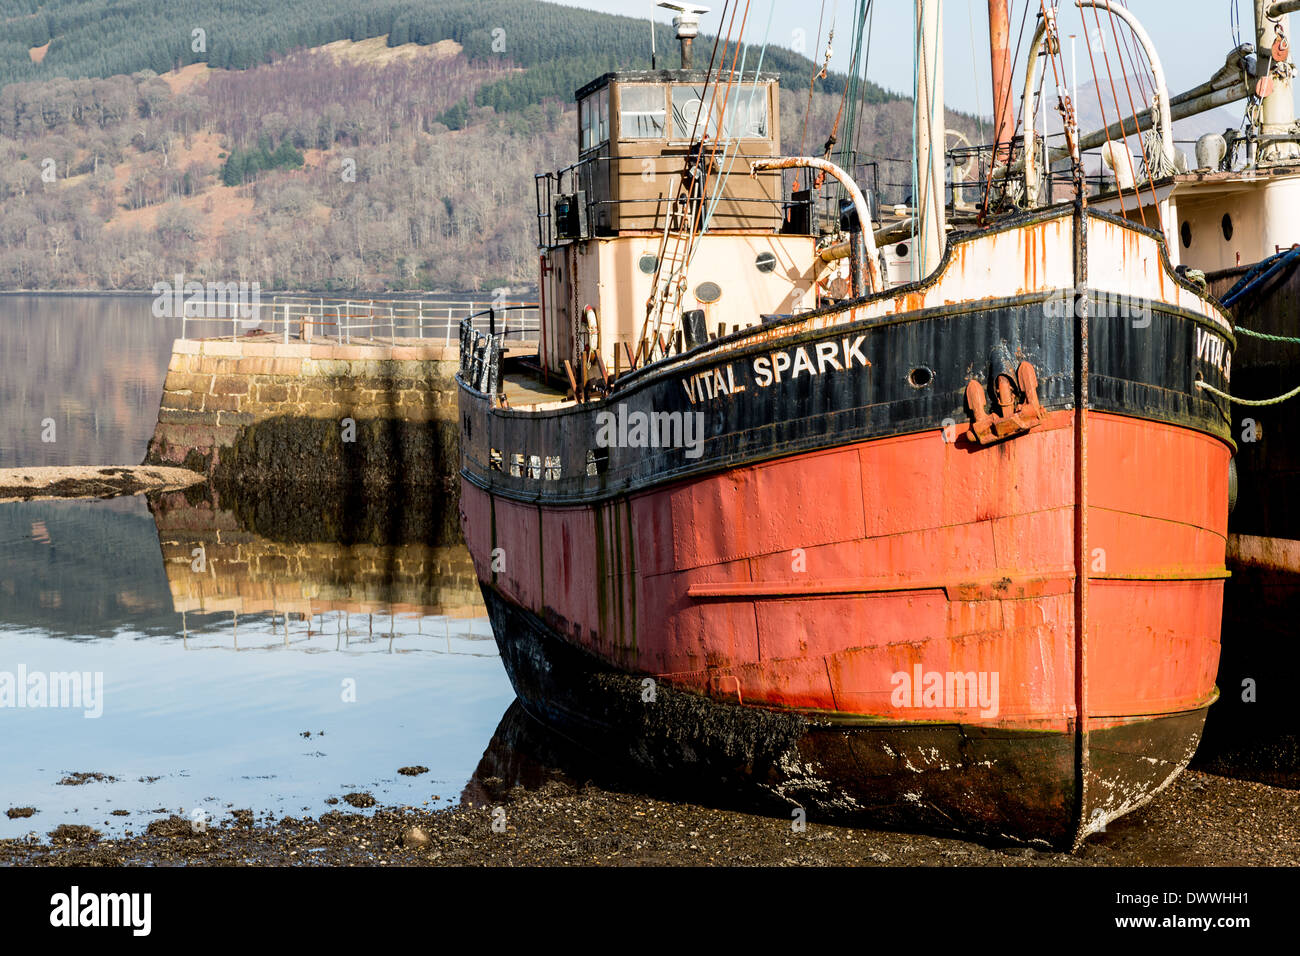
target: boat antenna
<point>653,64</point>
<point>687,23</point>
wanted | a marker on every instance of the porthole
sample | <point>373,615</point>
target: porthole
<point>1186,233</point>
<point>766,262</point>
<point>1227,226</point>
<point>708,292</point>
<point>920,377</point>
<point>902,250</point>
<point>648,263</point>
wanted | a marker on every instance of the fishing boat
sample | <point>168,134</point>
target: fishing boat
<point>1232,213</point>
<point>942,551</point>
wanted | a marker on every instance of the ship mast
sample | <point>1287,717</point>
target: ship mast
<point>1273,24</point>
<point>930,128</point>
<point>1004,126</point>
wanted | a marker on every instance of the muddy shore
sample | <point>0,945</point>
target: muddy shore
<point>1201,820</point>
<point>91,481</point>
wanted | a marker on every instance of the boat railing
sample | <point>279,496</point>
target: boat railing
<point>351,321</point>
<point>808,210</point>
<point>969,169</point>
<point>483,345</point>
<point>591,177</point>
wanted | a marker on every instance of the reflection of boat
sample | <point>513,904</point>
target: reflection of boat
<point>773,556</point>
<point>523,753</point>
<point>256,571</point>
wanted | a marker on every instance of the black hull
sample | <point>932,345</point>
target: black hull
<point>1259,739</point>
<point>1253,732</point>
<point>992,784</point>
<point>886,374</point>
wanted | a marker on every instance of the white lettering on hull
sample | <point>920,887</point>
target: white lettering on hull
<point>777,367</point>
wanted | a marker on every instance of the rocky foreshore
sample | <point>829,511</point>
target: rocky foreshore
<point>1200,820</point>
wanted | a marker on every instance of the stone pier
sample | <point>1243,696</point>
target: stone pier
<point>259,410</point>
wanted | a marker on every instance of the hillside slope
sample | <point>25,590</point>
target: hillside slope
<point>557,47</point>
<point>350,166</point>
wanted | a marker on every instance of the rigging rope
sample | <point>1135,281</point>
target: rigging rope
<point>1148,86</point>
<point>660,287</point>
<point>1249,333</point>
<point>1123,68</point>
<point>849,95</point>
<point>734,144</point>
<point>974,66</point>
<point>1069,117</point>
<point>1253,403</point>
<point>1119,110</point>
<point>812,82</point>
<point>866,65</point>
<point>1005,104</point>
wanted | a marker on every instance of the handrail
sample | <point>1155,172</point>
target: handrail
<point>301,317</point>
<point>585,174</point>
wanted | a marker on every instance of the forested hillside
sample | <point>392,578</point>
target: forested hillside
<point>558,48</point>
<point>363,165</point>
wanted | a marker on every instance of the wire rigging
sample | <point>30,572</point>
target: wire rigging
<point>1005,104</point>
<point>817,73</point>
<point>1101,37</point>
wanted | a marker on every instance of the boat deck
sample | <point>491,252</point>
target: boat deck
<point>523,390</point>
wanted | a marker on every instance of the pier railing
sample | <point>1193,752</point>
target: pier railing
<point>358,320</point>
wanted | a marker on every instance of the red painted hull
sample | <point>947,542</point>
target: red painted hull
<point>912,552</point>
<point>910,556</point>
<point>1013,634</point>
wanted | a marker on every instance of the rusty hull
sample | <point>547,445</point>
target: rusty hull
<point>836,529</point>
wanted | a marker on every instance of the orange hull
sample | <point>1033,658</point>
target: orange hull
<point>913,552</point>
<point>1010,632</point>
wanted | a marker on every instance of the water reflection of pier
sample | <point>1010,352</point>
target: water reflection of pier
<point>396,591</point>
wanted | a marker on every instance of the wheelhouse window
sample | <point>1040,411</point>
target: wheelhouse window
<point>643,111</point>
<point>745,115</point>
<point>593,120</point>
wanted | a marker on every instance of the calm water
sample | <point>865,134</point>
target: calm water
<point>242,665</point>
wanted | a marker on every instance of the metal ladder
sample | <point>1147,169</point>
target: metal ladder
<point>676,246</point>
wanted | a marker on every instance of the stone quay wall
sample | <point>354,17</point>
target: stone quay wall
<point>255,409</point>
